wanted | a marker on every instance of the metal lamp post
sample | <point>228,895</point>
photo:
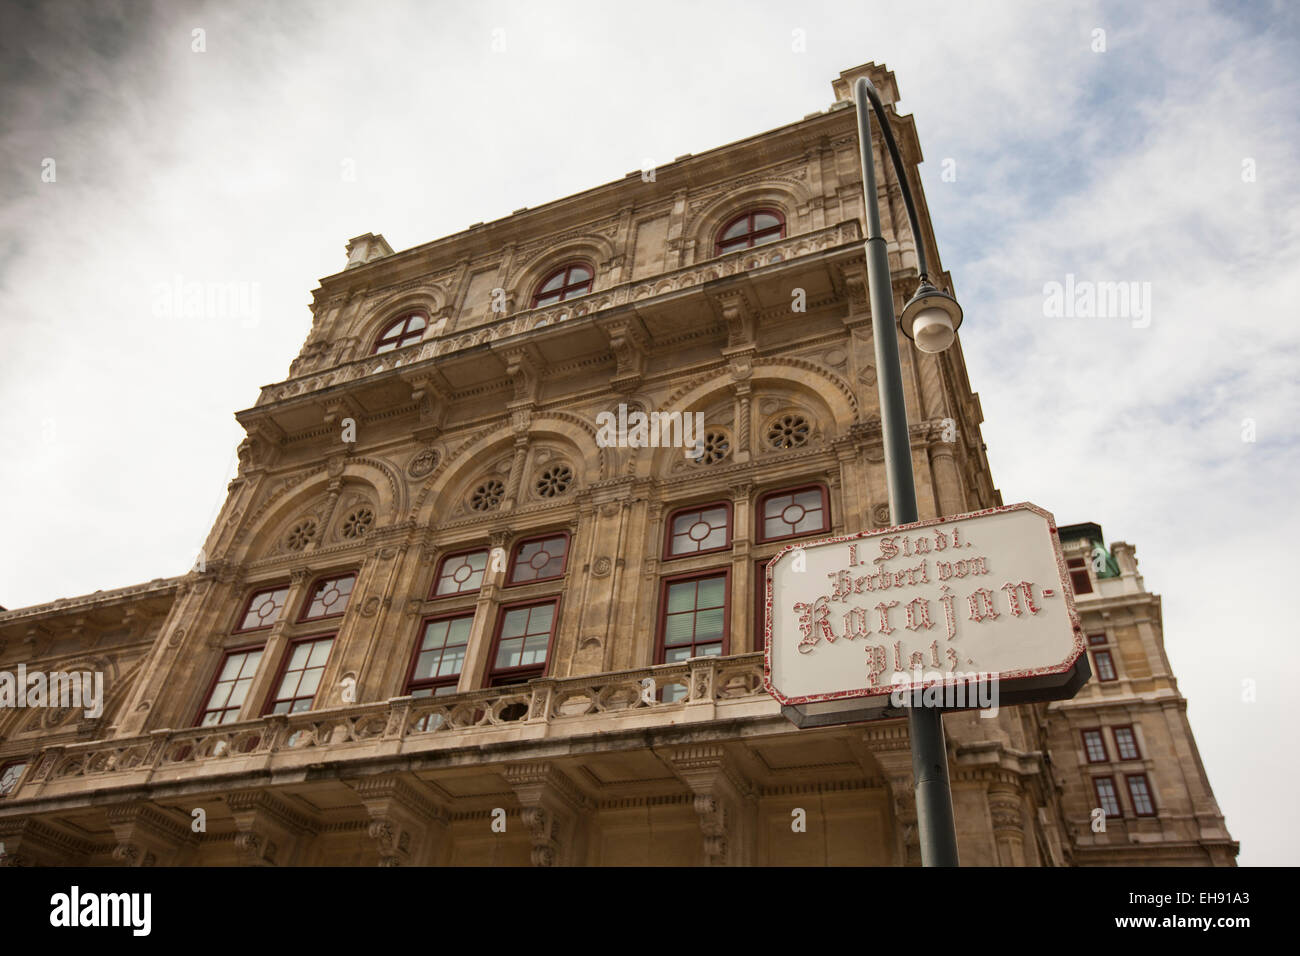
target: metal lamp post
<point>931,319</point>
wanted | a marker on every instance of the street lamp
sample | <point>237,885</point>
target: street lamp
<point>930,319</point>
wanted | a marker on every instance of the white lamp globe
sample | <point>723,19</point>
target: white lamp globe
<point>933,330</point>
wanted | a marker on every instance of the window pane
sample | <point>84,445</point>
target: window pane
<point>712,592</point>
<point>10,776</point>
<point>462,573</point>
<point>708,625</point>
<point>540,618</point>
<point>1141,795</point>
<point>1105,666</point>
<point>579,274</point>
<point>298,659</point>
<point>765,220</point>
<point>264,608</point>
<point>1106,796</point>
<point>681,596</point>
<point>239,692</point>
<point>453,659</point>
<point>812,498</point>
<point>515,623</point>
<point>1094,745</point>
<point>458,632</point>
<point>508,654</point>
<point>426,665</point>
<point>220,695</point>
<point>534,651</point>
<point>1126,743</point>
<point>679,628</point>
<point>310,681</point>
<point>554,282</point>
<point>435,634</point>
<point>739,228</point>
<point>538,560</point>
<point>715,516</point>
<point>330,596</point>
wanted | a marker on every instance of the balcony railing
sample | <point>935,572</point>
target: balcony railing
<point>683,278</point>
<point>700,689</point>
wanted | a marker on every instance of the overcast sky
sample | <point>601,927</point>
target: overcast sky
<point>1168,159</point>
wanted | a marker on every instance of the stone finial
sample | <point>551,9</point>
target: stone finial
<point>367,248</point>
<point>881,78</point>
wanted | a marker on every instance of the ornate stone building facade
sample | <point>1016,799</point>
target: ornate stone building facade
<point>441,619</point>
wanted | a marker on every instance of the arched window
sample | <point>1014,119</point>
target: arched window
<point>567,282</point>
<point>749,229</point>
<point>407,330</point>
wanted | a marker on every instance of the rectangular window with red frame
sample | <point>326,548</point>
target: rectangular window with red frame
<point>263,608</point>
<point>1139,791</point>
<point>1107,798</point>
<point>539,559</point>
<point>460,573</point>
<point>230,687</point>
<point>1126,743</point>
<point>523,641</point>
<point>440,656</point>
<point>298,682</point>
<point>1094,745</point>
<point>329,597</point>
<point>698,530</point>
<point>693,617</point>
<point>1079,578</point>
<point>760,603</point>
<point>1103,665</point>
<point>793,513</point>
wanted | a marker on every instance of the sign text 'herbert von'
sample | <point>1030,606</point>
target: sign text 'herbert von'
<point>920,605</point>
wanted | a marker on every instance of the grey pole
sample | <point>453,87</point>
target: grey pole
<point>925,724</point>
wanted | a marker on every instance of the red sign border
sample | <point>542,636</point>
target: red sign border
<point>909,687</point>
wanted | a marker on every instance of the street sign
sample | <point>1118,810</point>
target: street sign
<point>960,612</point>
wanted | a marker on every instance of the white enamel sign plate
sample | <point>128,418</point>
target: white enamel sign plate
<point>943,602</point>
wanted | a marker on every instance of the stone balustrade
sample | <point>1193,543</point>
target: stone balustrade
<point>701,689</point>
<point>597,301</point>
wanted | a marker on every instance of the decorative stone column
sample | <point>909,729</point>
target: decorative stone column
<point>1008,824</point>
<point>950,499</point>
